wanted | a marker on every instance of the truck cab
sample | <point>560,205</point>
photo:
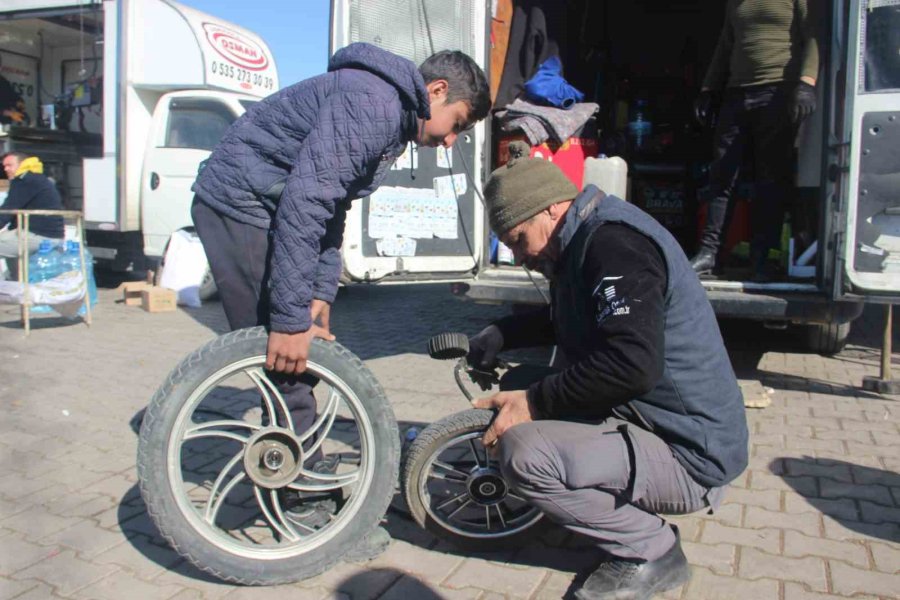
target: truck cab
<point>123,100</point>
<point>848,255</point>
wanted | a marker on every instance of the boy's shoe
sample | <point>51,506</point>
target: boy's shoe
<point>312,510</point>
<point>620,579</point>
<point>370,546</point>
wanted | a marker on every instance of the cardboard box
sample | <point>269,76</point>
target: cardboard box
<point>131,292</point>
<point>158,299</point>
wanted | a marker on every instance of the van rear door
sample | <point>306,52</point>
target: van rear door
<point>425,222</point>
<point>870,164</point>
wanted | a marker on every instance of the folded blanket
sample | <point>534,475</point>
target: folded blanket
<point>540,123</point>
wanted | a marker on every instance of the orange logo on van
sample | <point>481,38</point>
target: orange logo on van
<point>236,48</point>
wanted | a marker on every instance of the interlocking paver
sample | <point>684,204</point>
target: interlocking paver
<point>718,558</point>
<point>796,591</point>
<point>839,508</point>
<point>796,544</point>
<point>409,587</point>
<point>847,580</point>
<point>768,539</point>
<point>122,584</point>
<point>429,566</point>
<point>874,493</point>
<point>887,557</point>
<point>41,591</point>
<point>851,530</point>
<point>66,572</point>
<point>9,588</point>
<point>808,523</point>
<point>705,585</point>
<point>756,565</point>
<point>495,578</point>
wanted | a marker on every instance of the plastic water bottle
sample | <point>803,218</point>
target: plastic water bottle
<point>71,261</point>
<point>639,126</point>
<point>43,265</point>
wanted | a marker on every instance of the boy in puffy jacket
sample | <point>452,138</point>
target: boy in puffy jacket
<point>271,201</point>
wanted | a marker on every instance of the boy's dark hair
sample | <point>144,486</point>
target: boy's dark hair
<point>465,79</point>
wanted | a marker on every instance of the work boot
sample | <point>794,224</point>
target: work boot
<point>704,261</point>
<point>621,579</point>
<point>370,546</point>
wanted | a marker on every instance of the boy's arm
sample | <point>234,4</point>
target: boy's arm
<point>351,131</point>
<point>328,271</point>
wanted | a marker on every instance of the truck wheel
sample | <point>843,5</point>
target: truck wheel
<point>456,491</point>
<point>218,453</point>
<point>826,339</point>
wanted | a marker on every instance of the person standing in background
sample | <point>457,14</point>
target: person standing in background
<point>764,73</point>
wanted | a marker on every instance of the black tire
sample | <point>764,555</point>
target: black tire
<point>428,444</point>
<point>186,531</point>
<point>826,339</point>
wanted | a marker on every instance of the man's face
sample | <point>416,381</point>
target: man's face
<point>530,242</point>
<point>10,166</point>
<point>447,120</point>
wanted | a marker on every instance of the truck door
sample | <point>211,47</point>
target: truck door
<point>426,221</point>
<point>184,131</point>
<point>869,247</point>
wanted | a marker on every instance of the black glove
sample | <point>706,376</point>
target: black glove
<point>705,108</point>
<point>482,356</point>
<point>803,102</point>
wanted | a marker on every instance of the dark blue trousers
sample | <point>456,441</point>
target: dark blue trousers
<point>238,256</point>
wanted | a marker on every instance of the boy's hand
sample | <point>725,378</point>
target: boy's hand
<point>287,352</point>
<point>320,311</point>
<point>514,409</point>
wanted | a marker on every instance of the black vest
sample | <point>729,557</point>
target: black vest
<point>696,407</point>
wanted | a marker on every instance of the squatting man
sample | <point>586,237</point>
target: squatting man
<point>646,418</point>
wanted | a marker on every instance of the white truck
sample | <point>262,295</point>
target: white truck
<point>850,168</point>
<point>124,98</point>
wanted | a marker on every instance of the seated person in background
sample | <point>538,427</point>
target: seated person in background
<point>29,189</point>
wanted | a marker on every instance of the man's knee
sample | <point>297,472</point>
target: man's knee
<point>528,460</point>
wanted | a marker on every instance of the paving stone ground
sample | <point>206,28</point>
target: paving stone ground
<point>815,516</point>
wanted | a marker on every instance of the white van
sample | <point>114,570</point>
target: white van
<point>124,99</point>
<point>852,163</point>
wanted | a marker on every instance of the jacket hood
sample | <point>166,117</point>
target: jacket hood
<point>398,71</point>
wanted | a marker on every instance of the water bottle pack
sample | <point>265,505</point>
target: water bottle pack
<point>51,260</point>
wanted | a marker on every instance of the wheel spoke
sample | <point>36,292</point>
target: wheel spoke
<point>500,515</point>
<point>487,517</point>
<point>447,503</point>
<point>461,506</point>
<point>517,497</point>
<point>322,482</point>
<point>475,453</point>
<point>213,506</point>
<point>451,470</point>
<point>281,526</point>
<point>324,421</point>
<point>271,397</point>
<point>216,429</point>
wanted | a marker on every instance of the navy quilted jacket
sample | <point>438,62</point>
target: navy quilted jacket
<point>294,161</point>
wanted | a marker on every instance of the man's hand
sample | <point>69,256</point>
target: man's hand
<point>513,409</point>
<point>803,102</point>
<point>483,349</point>
<point>287,352</point>
<point>705,107</point>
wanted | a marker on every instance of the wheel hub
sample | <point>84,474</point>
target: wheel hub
<point>273,458</point>
<point>486,487</point>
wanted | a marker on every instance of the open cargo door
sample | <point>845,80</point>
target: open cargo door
<point>425,222</point>
<point>871,239</point>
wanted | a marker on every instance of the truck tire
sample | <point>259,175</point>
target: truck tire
<point>826,339</point>
<point>475,482</point>
<point>243,532</point>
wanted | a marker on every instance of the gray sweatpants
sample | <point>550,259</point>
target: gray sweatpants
<point>608,481</point>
